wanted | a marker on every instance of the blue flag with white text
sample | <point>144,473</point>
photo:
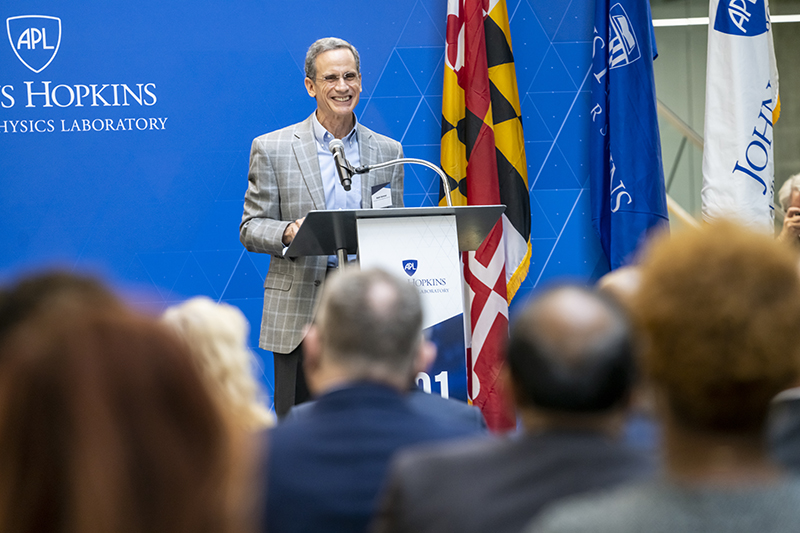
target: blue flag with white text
<point>627,177</point>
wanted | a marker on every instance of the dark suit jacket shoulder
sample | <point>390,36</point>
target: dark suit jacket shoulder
<point>498,485</point>
<point>446,410</point>
<point>783,429</point>
<point>325,470</point>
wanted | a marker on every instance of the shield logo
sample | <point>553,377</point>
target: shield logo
<point>410,266</point>
<point>622,46</point>
<point>35,39</point>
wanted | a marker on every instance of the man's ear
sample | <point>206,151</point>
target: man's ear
<point>312,349</point>
<point>312,91</point>
<point>508,388</point>
<point>426,355</point>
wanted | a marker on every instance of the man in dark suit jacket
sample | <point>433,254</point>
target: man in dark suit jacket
<point>447,410</point>
<point>325,469</point>
<point>291,173</point>
<point>571,371</point>
<point>783,429</point>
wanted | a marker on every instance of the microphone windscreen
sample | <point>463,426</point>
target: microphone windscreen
<point>336,143</point>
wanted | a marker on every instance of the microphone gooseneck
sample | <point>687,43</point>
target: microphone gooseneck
<point>415,161</point>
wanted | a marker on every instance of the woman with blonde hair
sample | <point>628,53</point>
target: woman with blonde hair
<point>216,333</point>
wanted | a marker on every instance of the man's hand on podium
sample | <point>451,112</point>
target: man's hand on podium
<point>291,230</point>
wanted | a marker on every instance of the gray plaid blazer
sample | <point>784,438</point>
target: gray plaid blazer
<point>284,184</point>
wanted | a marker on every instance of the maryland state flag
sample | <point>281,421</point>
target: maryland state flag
<point>483,153</point>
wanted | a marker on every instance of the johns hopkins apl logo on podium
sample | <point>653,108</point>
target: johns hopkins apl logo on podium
<point>35,39</point>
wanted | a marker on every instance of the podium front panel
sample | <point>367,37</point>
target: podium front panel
<point>424,251</point>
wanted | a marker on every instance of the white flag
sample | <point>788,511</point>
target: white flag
<point>741,107</point>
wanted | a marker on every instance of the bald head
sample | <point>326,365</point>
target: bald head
<point>571,351</point>
<point>621,284</point>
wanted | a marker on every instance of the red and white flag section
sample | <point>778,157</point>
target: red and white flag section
<point>483,153</point>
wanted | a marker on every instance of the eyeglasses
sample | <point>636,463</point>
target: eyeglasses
<point>332,79</point>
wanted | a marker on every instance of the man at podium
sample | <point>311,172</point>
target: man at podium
<point>292,172</point>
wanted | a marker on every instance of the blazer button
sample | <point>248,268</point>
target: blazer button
<point>317,282</point>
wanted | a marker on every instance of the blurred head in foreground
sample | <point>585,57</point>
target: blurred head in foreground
<point>789,197</point>
<point>621,285</point>
<point>368,328</point>
<point>720,308</point>
<point>216,333</point>
<point>570,357</point>
<point>105,425</point>
<point>789,193</point>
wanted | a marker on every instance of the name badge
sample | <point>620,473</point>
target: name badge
<point>382,195</point>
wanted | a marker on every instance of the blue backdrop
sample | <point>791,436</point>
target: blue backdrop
<point>126,156</point>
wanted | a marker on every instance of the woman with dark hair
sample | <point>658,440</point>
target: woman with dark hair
<point>105,425</point>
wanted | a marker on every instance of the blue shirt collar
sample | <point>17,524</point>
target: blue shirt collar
<point>324,137</point>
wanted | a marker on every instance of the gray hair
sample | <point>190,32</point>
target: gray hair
<point>326,44</point>
<point>785,193</point>
<point>370,322</point>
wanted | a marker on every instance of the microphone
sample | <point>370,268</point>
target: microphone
<point>336,146</point>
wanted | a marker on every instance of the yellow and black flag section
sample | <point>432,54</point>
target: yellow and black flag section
<point>483,154</point>
<point>485,96</point>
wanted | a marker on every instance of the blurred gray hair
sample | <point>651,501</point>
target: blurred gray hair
<point>216,334</point>
<point>370,322</point>
<point>785,193</point>
<point>326,44</point>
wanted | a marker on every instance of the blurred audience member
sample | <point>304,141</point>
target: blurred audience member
<point>325,468</point>
<point>784,428</point>
<point>217,335</point>
<point>622,285</point>
<point>105,426</point>
<point>720,308</point>
<point>641,430</point>
<point>789,198</point>
<point>784,424</point>
<point>32,294</point>
<point>571,365</point>
<point>448,410</point>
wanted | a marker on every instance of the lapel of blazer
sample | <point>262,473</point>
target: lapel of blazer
<point>367,154</point>
<point>305,150</point>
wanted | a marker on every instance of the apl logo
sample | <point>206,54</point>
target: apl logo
<point>741,17</point>
<point>35,39</point>
<point>622,46</point>
<point>410,266</point>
